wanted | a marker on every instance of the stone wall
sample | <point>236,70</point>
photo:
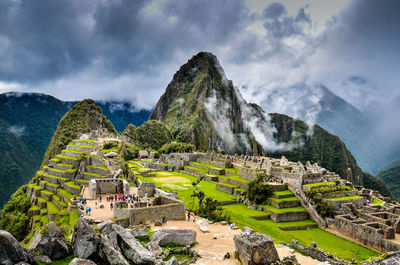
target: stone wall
<point>287,217</point>
<point>367,235</point>
<point>225,188</point>
<point>147,187</point>
<point>358,203</point>
<point>172,211</point>
<point>238,183</point>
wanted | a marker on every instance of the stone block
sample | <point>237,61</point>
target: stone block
<point>255,249</point>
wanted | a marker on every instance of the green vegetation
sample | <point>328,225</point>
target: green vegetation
<point>73,185</point>
<point>337,246</point>
<point>66,194</point>
<point>289,199</point>
<point>82,117</point>
<point>258,191</point>
<point>13,215</point>
<point>297,209</point>
<point>52,208</point>
<point>105,168</point>
<point>391,177</point>
<point>151,134</point>
<point>283,192</point>
<point>175,147</point>
<point>376,201</point>
<point>239,179</point>
<point>345,198</point>
<point>320,184</point>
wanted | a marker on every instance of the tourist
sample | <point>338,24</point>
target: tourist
<point>95,204</point>
<point>194,218</point>
<point>188,216</point>
<point>89,210</point>
<point>111,206</point>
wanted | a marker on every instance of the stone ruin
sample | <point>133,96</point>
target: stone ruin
<point>373,225</point>
<point>146,188</point>
<point>108,185</point>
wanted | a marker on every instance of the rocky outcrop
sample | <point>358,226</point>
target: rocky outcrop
<point>109,250</point>
<point>391,258</point>
<point>129,245</point>
<point>180,237</point>
<point>12,252</point>
<point>85,240</point>
<point>255,249</point>
<point>140,233</point>
<point>50,241</point>
<point>78,261</point>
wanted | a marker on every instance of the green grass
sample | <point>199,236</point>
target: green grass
<point>94,174</point>
<point>43,211</point>
<point>288,199</point>
<point>84,140</point>
<point>36,217</point>
<point>228,185</point>
<point>330,243</point>
<point>72,185</point>
<point>206,165</point>
<point>68,157</point>
<point>72,151</point>
<point>56,177</point>
<point>239,179</point>
<point>87,146</point>
<point>66,194</point>
<point>73,218</point>
<point>114,149</point>
<point>319,184</point>
<point>297,209</point>
<point>52,208</point>
<point>376,201</point>
<point>65,165</point>
<point>50,184</point>
<point>105,168</point>
<point>283,192</point>
<point>59,201</point>
<point>65,261</point>
<point>40,199</point>
<point>200,170</point>
<point>83,180</point>
<point>55,159</point>
<point>233,170</point>
<point>345,198</point>
<point>184,187</point>
<point>44,219</point>
<point>34,208</point>
<point>47,192</point>
<point>34,186</point>
<point>55,169</point>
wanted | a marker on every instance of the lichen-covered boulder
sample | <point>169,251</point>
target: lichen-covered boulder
<point>130,246</point>
<point>78,261</point>
<point>180,237</point>
<point>12,252</point>
<point>140,233</point>
<point>50,241</point>
<point>255,249</point>
<point>109,250</point>
<point>85,240</point>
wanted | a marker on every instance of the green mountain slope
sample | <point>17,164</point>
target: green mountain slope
<point>29,121</point>
<point>83,117</point>
<point>391,177</point>
<point>201,106</point>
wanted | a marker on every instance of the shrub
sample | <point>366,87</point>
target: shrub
<point>175,147</point>
<point>258,191</point>
<point>109,145</point>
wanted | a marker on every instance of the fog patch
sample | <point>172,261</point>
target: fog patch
<point>17,130</point>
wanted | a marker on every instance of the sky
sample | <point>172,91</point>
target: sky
<point>115,49</point>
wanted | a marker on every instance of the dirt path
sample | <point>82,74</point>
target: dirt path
<point>214,245</point>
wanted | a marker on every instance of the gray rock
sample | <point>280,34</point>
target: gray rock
<point>154,249</point>
<point>85,240</point>
<point>50,241</point>
<point>140,233</point>
<point>203,225</point>
<point>255,249</point>
<point>110,251</point>
<point>12,252</point>
<point>131,247</point>
<point>157,223</point>
<point>180,237</point>
<point>392,258</point>
<point>43,259</point>
<point>78,261</point>
<point>172,261</point>
<point>247,230</point>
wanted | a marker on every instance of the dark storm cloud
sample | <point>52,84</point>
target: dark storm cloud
<point>280,25</point>
<point>42,40</point>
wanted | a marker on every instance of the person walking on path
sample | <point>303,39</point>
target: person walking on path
<point>188,216</point>
<point>90,210</point>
